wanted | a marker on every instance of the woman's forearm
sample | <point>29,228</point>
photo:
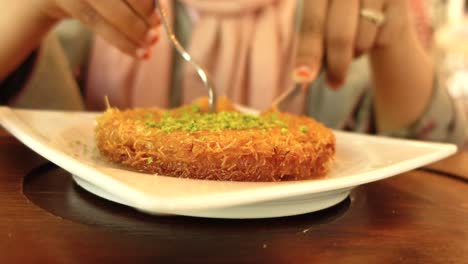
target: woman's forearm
<point>403,77</point>
<point>22,26</point>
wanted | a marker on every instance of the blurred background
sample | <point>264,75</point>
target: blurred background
<point>449,29</point>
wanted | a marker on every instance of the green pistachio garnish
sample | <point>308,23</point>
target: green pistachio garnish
<point>304,129</point>
<point>195,108</point>
<point>149,160</point>
<point>192,120</point>
<point>150,123</point>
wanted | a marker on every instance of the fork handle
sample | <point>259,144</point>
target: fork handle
<point>186,56</point>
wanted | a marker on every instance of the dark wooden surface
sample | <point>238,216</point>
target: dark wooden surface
<point>455,166</point>
<point>416,217</point>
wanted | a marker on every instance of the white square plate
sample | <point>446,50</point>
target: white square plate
<point>67,139</point>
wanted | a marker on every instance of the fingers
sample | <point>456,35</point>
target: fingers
<point>396,22</point>
<point>367,31</point>
<point>342,23</point>
<point>310,48</point>
<point>126,19</point>
<point>119,22</point>
<point>145,8</point>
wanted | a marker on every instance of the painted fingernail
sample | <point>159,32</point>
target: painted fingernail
<point>334,84</point>
<point>155,19</point>
<point>148,54</point>
<point>143,54</point>
<point>303,74</point>
<point>303,71</point>
<point>152,37</point>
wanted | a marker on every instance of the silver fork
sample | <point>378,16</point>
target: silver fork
<point>282,102</point>
<point>188,58</point>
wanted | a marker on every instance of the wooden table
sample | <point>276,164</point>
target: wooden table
<point>416,217</point>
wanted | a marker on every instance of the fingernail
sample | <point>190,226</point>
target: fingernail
<point>143,54</point>
<point>303,71</point>
<point>334,84</point>
<point>152,37</point>
<point>303,74</point>
<point>155,19</point>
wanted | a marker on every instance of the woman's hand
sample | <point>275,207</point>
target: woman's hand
<point>131,25</point>
<point>334,32</point>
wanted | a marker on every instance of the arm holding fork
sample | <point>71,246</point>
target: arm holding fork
<point>130,25</point>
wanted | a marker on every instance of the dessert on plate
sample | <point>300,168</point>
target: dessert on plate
<point>228,145</point>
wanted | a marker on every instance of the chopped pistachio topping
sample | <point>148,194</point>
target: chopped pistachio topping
<point>150,123</point>
<point>149,160</point>
<point>304,129</point>
<point>192,119</point>
<point>195,108</point>
<point>274,116</point>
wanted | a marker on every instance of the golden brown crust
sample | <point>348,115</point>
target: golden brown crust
<point>232,155</point>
